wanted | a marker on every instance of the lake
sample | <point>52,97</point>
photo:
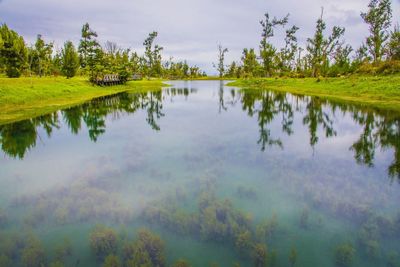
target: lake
<point>200,171</point>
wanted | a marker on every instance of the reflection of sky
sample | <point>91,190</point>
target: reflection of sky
<point>188,29</point>
<point>191,124</point>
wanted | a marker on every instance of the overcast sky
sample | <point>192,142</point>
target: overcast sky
<point>188,29</point>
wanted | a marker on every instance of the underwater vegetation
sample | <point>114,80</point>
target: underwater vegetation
<point>344,255</point>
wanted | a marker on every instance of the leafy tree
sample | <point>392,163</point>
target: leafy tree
<point>41,56</point>
<point>378,17</point>
<point>288,53</point>
<point>221,58</point>
<point>152,56</point>
<point>342,60</point>
<point>69,60</point>
<point>13,52</point>
<point>90,54</point>
<point>320,48</point>
<point>267,50</point>
<point>361,55</point>
<point>232,70</point>
<point>250,63</point>
<point>394,44</point>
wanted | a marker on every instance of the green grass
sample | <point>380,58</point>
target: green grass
<point>381,92</point>
<point>25,97</point>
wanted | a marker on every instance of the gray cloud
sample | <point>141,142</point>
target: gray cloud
<point>188,29</point>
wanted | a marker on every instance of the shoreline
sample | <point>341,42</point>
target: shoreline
<point>381,92</point>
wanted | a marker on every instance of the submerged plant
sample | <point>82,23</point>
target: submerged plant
<point>181,263</point>
<point>111,261</point>
<point>260,255</point>
<point>344,255</point>
<point>103,242</point>
<point>293,256</point>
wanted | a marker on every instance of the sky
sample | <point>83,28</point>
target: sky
<point>188,29</point>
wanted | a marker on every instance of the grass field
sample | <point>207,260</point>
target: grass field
<point>25,97</point>
<point>381,92</point>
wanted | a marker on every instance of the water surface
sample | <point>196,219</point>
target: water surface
<point>224,176</point>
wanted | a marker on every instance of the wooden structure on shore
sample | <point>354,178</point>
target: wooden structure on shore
<point>108,80</point>
<point>114,79</point>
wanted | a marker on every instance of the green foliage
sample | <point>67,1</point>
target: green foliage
<point>13,53</point>
<point>319,47</point>
<point>40,57</point>
<point>267,51</point>
<point>152,57</point>
<point>394,44</point>
<point>251,67</point>
<point>288,53</point>
<point>103,242</point>
<point>69,60</point>
<point>344,255</point>
<point>90,53</point>
<point>378,17</point>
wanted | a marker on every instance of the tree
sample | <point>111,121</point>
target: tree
<point>267,50</point>
<point>289,51</point>
<point>69,60</point>
<point>90,54</point>
<point>250,63</point>
<point>394,44</point>
<point>361,55</point>
<point>232,70</point>
<point>152,56</point>
<point>319,47</point>
<point>13,52</point>
<point>221,60</point>
<point>41,56</point>
<point>342,60</point>
<point>378,17</point>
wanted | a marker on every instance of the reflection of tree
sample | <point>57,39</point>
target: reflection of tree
<point>154,106</point>
<point>317,117</point>
<point>379,129</point>
<point>364,148</point>
<point>267,105</point>
<point>389,135</point>
<point>73,118</point>
<point>18,138</point>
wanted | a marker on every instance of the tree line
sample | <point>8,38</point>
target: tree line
<point>89,58</point>
<point>324,54</point>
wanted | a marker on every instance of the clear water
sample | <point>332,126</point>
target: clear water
<point>217,172</point>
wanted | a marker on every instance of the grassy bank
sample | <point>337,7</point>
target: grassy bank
<point>28,97</point>
<point>380,92</point>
